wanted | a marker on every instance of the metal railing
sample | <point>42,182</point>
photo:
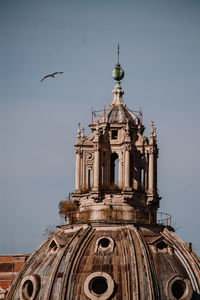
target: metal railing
<point>164,219</point>
<point>102,114</point>
<point>117,217</point>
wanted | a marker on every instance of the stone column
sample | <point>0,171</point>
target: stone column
<point>127,169</point>
<point>96,168</point>
<point>135,178</point>
<point>77,176</point>
<point>151,171</point>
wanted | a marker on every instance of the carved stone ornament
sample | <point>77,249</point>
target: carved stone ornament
<point>128,148</point>
<point>78,151</point>
<point>96,147</point>
<point>90,156</point>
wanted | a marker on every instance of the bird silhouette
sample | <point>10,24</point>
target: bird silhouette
<point>51,75</point>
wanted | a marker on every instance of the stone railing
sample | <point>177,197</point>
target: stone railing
<point>110,216</point>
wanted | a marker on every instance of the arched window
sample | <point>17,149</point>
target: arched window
<point>114,162</point>
<point>131,170</point>
<point>89,178</point>
<point>142,177</point>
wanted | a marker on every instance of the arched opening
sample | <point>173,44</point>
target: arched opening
<point>131,170</point>
<point>114,163</point>
<point>142,177</point>
<point>89,178</point>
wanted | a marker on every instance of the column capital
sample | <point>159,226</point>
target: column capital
<point>96,147</point>
<point>128,147</point>
<point>151,151</point>
<point>78,150</point>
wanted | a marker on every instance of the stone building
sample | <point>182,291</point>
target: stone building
<point>114,244</point>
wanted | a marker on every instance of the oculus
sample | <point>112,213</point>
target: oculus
<point>104,243</point>
<point>30,287</point>
<point>179,287</point>
<point>99,286</point>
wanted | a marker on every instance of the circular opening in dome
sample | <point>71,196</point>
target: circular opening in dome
<point>162,245</point>
<point>98,285</point>
<point>178,289</point>
<point>104,242</point>
<point>27,289</point>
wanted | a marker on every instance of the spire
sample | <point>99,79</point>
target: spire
<point>117,75</point>
<point>152,129</point>
<point>83,132</point>
<point>153,133</point>
<point>118,72</point>
<point>118,54</point>
<point>79,131</point>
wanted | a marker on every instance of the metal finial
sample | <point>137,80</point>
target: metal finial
<point>118,73</point>
<point>154,133</point>
<point>83,132</point>
<point>79,131</point>
<point>152,129</point>
<point>118,53</point>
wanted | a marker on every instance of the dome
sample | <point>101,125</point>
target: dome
<point>117,113</point>
<point>110,262</point>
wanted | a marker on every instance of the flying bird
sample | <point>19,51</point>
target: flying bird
<point>51,75</point>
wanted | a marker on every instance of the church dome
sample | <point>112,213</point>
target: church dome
<point>121,114</point>
<point>110,262</point>
<point>117,113</point>
<point>113,245</point>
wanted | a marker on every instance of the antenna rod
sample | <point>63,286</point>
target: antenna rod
<point>118,54</point>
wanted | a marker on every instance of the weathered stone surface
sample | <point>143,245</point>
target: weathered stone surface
<point>140,261</point>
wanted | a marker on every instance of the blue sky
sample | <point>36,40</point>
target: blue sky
<point>160,46</point>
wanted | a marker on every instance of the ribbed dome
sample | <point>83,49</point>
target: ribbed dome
<point>117,114</point>
<point>109,262</point>
<point>121,114</point>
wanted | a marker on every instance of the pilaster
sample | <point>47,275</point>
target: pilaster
<point>78,171</point>
<point>127,169</point>
<point>96,168</point>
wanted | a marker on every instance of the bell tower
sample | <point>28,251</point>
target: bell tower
<point>116,167</point>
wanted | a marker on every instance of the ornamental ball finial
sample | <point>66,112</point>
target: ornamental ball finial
<point>118,72</point>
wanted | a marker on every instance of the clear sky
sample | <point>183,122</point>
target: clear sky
<point>160,48</point>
